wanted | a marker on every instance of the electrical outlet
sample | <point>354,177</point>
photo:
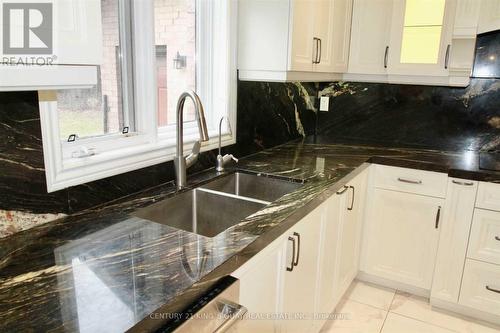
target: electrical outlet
<point>324,103</point>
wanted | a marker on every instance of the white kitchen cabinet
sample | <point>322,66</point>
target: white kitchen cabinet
<point>326,293</point>
<point>281,279</point>
<point>301,271</point>
<point>371,26</point>
<point>332,26</point>
<point>484,241</point>
<point>481,287</point>
<point>349,235</point>
<point>421,34</point>
<point>489,17</point>
<point>287,40</point>
<point>260,288</point>
<point>412,41</point>
<point>303,46</point>
<point>69,53</point>
<point>488,196</point>
<point>340,245</point>
<point>401,235</point>
<point>455,227</point>
<point>467,18</point>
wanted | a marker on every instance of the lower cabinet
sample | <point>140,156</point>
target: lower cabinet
<point>455,227</point>
<point>301,272</point>
<point>297,280</point>
<point>260,289</point>
<point>401,237</point>
<point>412,238</point>
<point>349,233</point>
<point>481,286</point>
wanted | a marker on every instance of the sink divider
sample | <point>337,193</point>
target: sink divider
<point>234,196</point>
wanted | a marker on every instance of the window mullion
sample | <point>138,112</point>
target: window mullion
<point>126,17</point>
<point>144,78</point>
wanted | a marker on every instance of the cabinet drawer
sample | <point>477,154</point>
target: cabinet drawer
<point>411,180</point>
<point>481,286</point>
<point>485,236</point>
<point>488,196</point>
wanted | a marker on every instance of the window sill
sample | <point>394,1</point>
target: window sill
<point>77,171</point>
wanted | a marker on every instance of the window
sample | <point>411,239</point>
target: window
<point>127,121</point>
<point>423,24</point>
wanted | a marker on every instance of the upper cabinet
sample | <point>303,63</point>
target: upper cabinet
<point>50,44</point>
<point>421,37</point>
<point>371,27</point>
<point>395,41</point>
<point>489,16</point>
<point>286,40</point>
<point>413,41</point>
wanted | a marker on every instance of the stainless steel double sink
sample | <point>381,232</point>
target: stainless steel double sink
<point>220,204</point>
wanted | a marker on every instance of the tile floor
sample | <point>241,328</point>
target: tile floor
<point>373,309</point>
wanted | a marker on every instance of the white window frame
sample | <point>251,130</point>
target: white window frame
<point>149,145</point>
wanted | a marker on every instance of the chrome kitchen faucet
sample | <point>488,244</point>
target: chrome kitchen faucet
<point>181,163</point>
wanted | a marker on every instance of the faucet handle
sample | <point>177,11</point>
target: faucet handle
<point>196,147</point>
<point>229,157</point>
<point>193,157</point>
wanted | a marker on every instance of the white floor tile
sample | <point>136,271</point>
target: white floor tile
<point>357,318</point>
<point>419,308</point>
<point>370,294</point>
<point>400,324</point>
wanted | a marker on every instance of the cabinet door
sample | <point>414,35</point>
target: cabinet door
<point>489,19</point>
<point>74,38</point>
<point>332,25</point>
<point>301,35</point>
<point>371,24</point>
<point>401,237</point>
<point>300,284</point>
<point>78,36</point>
<point>326,295</point>
<point>455,227</point>
<point>260,288</point>
<point>421,37</point>
<point>348,242</point>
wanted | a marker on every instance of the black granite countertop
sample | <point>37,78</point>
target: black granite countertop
<point>105,270</point>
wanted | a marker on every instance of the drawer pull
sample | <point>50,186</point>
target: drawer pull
<point>497,238</point>
<point>462,183</point>
<point>492,290</point>
<point>410,181</point>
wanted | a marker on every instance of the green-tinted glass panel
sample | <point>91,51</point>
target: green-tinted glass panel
<point>420,45</point>
<point>424,12</point>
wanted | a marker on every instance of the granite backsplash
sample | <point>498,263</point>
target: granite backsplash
<point>269,114</point>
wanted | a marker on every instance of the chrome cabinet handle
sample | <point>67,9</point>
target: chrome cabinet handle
<point>462,183</point>
<point>320,50</point>
<point>410,181</point>
<point>447,57</point>
<point>492,289</point>
<point>315,56</point>
<point>438,215</point>
<point>239,312</point>
<point>342,191</point>
<point>352,200</point>
<point>296,262</point>
<point>289,269</point>
<point>386,55</point>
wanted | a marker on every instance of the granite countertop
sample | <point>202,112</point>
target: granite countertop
<point>105,270</point>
